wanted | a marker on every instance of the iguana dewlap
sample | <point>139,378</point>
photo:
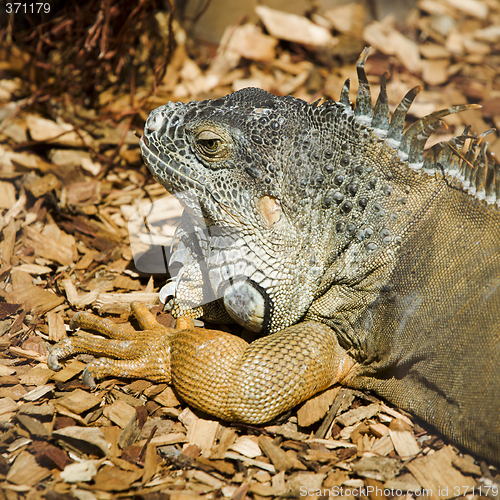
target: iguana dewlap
<point>357,260</point>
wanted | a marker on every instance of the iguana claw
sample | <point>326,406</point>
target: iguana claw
<point>88,378</point>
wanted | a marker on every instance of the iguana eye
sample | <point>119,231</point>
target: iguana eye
<point>209,144</point>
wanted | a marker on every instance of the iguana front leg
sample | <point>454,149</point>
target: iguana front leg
<point>214,371</point>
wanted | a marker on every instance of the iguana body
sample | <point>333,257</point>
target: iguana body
<point>363,264</point>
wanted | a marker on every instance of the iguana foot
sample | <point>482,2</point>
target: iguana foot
<point>214,371</point>
<point>137,354</point>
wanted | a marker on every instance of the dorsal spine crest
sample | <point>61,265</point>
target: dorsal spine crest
<point>473,167</point>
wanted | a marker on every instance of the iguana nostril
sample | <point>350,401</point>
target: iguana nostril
<point>154,123</point>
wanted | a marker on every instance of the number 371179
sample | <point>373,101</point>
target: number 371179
<point>27,8</point>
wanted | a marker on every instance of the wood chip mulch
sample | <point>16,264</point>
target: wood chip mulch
<point>68,189</point>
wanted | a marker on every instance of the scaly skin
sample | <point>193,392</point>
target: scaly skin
<point>362,262</point>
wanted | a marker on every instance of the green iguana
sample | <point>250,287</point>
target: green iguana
<point>362,262</point>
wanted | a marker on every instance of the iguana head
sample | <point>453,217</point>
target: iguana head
<point>229,152</point>
<point>287,188</point>
<point>242,163</point>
